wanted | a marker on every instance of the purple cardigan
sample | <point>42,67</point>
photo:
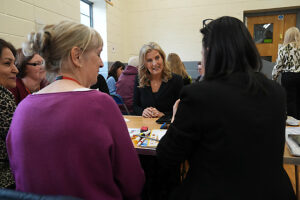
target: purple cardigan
<point>125,86</point>
<point>73,143</point>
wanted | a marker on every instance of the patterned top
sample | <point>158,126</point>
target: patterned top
<point>7,108</point>
<point>288,60</point>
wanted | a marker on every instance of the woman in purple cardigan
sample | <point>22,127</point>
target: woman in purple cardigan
<point>67,139</point>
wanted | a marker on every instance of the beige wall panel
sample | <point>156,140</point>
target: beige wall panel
<point>28,1</point>
<point>20,9</point>
<point>64,8</point>
<point>20,17</point>
<point>15,26</point>
<point>174,24</point>
<point>15,40</point>
<point>46,17</point>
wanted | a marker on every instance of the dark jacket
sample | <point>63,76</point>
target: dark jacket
<point>125,86</point>
<point>163,100</point>
<point>101,84</point>
<point>233,140</point>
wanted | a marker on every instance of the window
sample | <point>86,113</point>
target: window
<point>86,13</point>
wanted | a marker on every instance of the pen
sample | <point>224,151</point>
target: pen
<point>141,141</point>
<point>149,138</point>
<point>163,125</point>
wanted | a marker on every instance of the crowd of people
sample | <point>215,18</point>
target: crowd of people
<point>68,137</point>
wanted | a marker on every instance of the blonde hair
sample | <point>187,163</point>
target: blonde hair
<point>144,74</point>
<point>177,67</point>
<point>54,42</point>
<point>292,35</point>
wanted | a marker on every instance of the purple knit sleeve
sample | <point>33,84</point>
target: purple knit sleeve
<point>126,165</point>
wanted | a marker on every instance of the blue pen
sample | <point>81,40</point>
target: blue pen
<point>163,125</point>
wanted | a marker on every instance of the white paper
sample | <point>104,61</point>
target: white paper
<point>126,120</point>
<point>156,134</point>
<point>134,131</point>
<point>293,146</point>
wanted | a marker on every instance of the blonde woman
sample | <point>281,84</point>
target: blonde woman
<point>75,140</point>
<point>177,67</point>
<point>156,88</point>
<point>288,63</point>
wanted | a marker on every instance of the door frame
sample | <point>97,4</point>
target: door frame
<point>273,11</point>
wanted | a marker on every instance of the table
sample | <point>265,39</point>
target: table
<point>138,122</point>
<point>292,160</point>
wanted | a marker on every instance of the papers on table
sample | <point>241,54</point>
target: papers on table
<point>156,134</point>
<point>293,146</point>
<point>292,121</point>
<point>134,131</point>
<point>126,120</point>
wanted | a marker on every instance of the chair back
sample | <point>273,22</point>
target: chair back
<point>118,99</point>
<point>17,195</point>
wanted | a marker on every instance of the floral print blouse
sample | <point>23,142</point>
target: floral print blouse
<point>288,60</point>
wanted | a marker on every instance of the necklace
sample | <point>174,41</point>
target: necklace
<point>68,78</point>
<point>27,90</point>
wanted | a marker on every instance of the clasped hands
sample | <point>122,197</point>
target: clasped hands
<point>151,112</point>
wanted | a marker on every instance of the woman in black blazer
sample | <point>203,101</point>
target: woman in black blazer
<point>230,126</point>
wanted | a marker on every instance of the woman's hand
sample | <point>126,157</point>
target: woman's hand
<point>147,112</point>
<point>157,113</point>
<point>151,112</point>
<point>175,109</point>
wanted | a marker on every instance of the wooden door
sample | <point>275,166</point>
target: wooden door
<point>268,32</point>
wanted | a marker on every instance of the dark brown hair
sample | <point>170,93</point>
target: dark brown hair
<point>21,62</point>
<point>4,44</point>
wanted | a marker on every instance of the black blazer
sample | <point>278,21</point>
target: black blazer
<point>233,140</point>
<point>163,100</point>
<point>101,84</point>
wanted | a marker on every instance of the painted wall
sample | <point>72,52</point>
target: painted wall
<point>20,17</point>
<point>173,24</point>
<point>117,30</point>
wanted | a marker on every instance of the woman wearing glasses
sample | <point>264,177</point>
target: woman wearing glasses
<point>230,126</point>
<point>31,77</point>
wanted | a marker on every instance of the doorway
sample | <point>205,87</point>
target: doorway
<point>268,32</point>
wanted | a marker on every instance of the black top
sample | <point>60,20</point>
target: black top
<point>163,100</point>
<point>186,81</point>
<point>233,140</point>
<point>101,84</point>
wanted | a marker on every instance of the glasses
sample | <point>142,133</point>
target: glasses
<point>35,64</point>
<point>205,22</point>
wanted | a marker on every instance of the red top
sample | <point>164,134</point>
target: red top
<point>20,91</point>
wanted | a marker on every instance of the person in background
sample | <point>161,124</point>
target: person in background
<point>201,71</point>
<point>101,84</point>
<point>31,77</point>
<point>113,75</point>
<point>8,72</point>
<point>125,84</point>
<point>77,143</point>
<point>288,63</point>
<point>156,88</point>
<point>177,67</point>
<point>230,127</point>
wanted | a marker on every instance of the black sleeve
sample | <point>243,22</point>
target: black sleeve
<point>179,141</point>
<point>101,84</point>
<point>179,86</point>
<point>137,108</point>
